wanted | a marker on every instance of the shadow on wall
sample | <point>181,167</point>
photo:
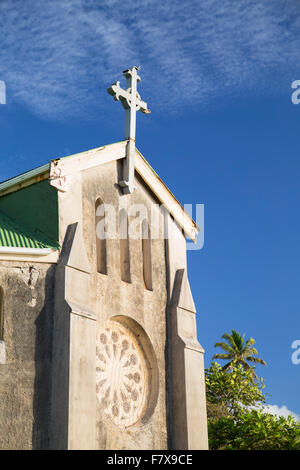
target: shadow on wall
<point>43,366</point>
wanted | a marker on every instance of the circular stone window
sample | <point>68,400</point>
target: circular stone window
<point>123,377</point>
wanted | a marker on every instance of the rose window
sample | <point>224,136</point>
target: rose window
<point>121,374</point>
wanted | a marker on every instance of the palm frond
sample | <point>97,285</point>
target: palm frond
<point>239,352</point>
<point>223,356</point>
<point>251,351</point>
<point>224,346</point>
<point>238,339</point>
<point>230,340</point>
<point>257,360</point>
<point>250,342</point>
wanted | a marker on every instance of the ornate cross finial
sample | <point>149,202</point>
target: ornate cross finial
<point>132,103</point>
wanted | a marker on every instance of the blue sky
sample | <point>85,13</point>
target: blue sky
<point>222,132</point>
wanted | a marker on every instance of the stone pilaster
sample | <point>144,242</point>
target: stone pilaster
<point>186,390</point>
<point>73,374</point>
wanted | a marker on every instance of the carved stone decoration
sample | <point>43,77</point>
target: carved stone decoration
<point>57,179</point>
<point>122,375</point>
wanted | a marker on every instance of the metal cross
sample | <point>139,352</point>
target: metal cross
<point>132,103</point>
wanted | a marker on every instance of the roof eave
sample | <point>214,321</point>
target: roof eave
<point>166,197</point>
<point>58,168</point>
<point>25,179</point>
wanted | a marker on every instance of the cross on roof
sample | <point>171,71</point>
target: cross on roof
<point>132,102</point>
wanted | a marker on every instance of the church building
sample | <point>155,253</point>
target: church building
<point>98,340</point>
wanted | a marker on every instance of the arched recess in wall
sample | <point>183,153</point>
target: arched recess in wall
<point>146,250</point>
<point>1,314</point>
<point>101,248</point>
<point>124,246</point>
<point>126,365</point>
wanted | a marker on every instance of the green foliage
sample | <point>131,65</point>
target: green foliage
<point>234,399</point>
<point>238,352</point>
<point>253,430</point>
<point>233,424</point>
<point>228,392</point>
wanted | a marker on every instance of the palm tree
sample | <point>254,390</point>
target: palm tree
<point>238,352</point>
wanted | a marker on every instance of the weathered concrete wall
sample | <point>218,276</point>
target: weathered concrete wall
<point>55,316</point>
<point>111,296</point>
<point>186,383</point>
<point>73,403</point>
<point>179,388</point>
<point>25,377</point>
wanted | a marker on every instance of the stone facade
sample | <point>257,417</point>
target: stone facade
<point>25,377</point>
<point>102,358</point>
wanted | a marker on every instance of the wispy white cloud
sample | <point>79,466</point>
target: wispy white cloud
<point>58,56</point>
<point>280,411</point>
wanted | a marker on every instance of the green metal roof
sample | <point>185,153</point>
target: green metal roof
<point>14,236</point>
